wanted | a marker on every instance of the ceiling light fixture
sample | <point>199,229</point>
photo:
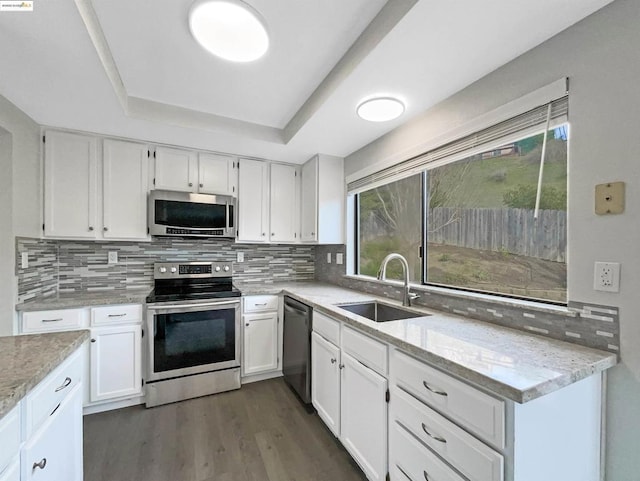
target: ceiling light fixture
<point>380,109</point>
<point>229,29</point>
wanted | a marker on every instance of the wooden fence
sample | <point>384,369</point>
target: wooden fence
<point>510,230</point>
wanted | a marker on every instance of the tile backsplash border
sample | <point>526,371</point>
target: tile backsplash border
<point>582,323</point>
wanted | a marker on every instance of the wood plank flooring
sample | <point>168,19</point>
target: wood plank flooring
<point>258,433</point>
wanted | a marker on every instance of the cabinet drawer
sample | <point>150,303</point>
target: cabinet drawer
<point>47,396</point>
<point>368,351</point>
<point>260,303</point>
<point>410,460</point>
<point>44,321</point>
<point>118,314</point>
<point>471,457</point>
<point>9,437</point>
<point>326,327</point>
<point>476,411</point>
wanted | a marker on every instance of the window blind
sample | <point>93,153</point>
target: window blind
<point>501,133</point>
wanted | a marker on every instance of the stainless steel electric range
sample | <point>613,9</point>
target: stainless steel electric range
<point>193,332</point>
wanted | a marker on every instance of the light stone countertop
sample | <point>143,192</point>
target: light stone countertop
<point>72,300</point>
<point>27,360</point>
<point>511,363</point>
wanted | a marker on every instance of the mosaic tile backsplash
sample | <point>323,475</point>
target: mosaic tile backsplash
<point>586,324</point>
<point>57,266</point>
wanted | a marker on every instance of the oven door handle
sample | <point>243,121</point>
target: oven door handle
<point>191,306</point>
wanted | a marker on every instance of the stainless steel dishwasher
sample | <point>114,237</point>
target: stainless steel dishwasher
<point>296,356</point>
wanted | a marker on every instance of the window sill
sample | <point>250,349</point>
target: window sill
<point>474,296</point>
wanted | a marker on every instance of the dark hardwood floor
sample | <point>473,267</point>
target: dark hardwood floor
<point>258,433</point>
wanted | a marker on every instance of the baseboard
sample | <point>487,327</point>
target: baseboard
<point>261,377</point>
<point>111,405</point>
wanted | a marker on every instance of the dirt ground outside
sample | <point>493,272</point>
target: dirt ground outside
<point>497,272</point>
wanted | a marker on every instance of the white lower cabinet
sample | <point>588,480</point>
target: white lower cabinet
<point>116,362</point>
<point>54,453</point>
<point>350,397</point>
<point>12,473</point>
<point>260,342</point>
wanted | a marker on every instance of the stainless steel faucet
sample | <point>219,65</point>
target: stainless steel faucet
<point>382,276</point>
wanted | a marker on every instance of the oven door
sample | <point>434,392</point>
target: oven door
<point>190,338</point>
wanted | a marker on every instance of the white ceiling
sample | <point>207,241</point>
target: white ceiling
<point>153,82</point>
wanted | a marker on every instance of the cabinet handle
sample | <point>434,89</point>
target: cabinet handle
<point>90,228</point>
<point>247,324</point>
<point>426,476</point>
<point>260,304</point>
<point>55,409</point>
<point>41,464</point>
<point>333,360</point>
<point>117,315</point>
<point>263,234</point>
<point>52,320</point>
<point>433,436</point>
<point>434,390</point>
<point>93,340</point>
<point>313,233</point>
<point>201,185</point>
<point>273,233</point>
<point>190,184</point>
<point>105,229</point>
<point>341,366</point>
<point>67,381</point>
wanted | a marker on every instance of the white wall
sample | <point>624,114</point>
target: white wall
<point>601,57</point>
<point>19,198</point>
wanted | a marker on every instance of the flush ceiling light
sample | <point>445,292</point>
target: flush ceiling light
<point>229,29</point>
<point>380,109</point>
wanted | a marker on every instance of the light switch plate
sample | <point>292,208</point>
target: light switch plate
<point>328,257</point>
<point>24,260</point>
<point>239,256</point>
<point>339,258</point>
<point>113,257</point>
<point>610,198</point>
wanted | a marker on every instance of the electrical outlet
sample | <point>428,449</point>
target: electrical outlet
<point>24,260</point>
<point>339,258</point>
<point>239,256</point>
<point>606,276</point>
<point>112,258</point>
<point>328,257</point>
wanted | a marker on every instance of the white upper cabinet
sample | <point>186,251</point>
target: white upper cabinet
<point>217,174</point>
<point>70,185</point>
<point>125,188</point>
<point>284,218</point>
<point>176,169</point>
<point>322,205</point>
<point>253,201</point>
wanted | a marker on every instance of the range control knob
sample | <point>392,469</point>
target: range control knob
<point>226,268</point>
<point>162,270</point>
<point>217,269</point>
<point>174,270</point>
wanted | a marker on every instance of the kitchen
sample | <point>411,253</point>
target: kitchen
<point>49,98</point>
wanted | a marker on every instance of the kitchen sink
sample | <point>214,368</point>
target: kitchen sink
<point>379,312</point>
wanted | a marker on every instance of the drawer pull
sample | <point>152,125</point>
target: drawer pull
<point>117,315</point>
<point>333,360</point>
<point>433,436</point>
<point>260,304</point>
<point>41,464</point>
<point>433,390</point>
<point>56,408</point>
<point>52,320</point>
<point>426,476</point>
<point>341,366</point>
<point>67,381</point>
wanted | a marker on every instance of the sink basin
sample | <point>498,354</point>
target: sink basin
<point>379,312</point>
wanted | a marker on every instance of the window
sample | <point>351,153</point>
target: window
<point>474,219</point>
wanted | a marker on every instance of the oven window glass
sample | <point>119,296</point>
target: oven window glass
<point>189,214</point>
<point>190,339</point>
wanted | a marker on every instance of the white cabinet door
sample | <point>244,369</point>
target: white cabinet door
<point>116,362</point>
<point>253,201</point>
<point>217,174</point>
<point>260,343</point>
<point>325,381</point>
<point>284,214</point>
<point>309,206</point>
<point>70,182</point>
<point>363,410</point>
<point>125,184</point>
<point>176,169</point>
<point>54,453</point>
<point>12,473</point>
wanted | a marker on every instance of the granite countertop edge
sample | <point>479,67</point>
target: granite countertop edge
<point>71,300</point>
<point>17,392</point>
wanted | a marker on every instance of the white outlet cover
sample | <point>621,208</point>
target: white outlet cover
<point>606,276</point>
<point>239,256</point>
<point>113,257</point>
<point>24,261</point>
<point>328,257</point>
<point>339,258</point>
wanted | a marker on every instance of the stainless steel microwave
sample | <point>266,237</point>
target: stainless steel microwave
<point>183,214</point>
